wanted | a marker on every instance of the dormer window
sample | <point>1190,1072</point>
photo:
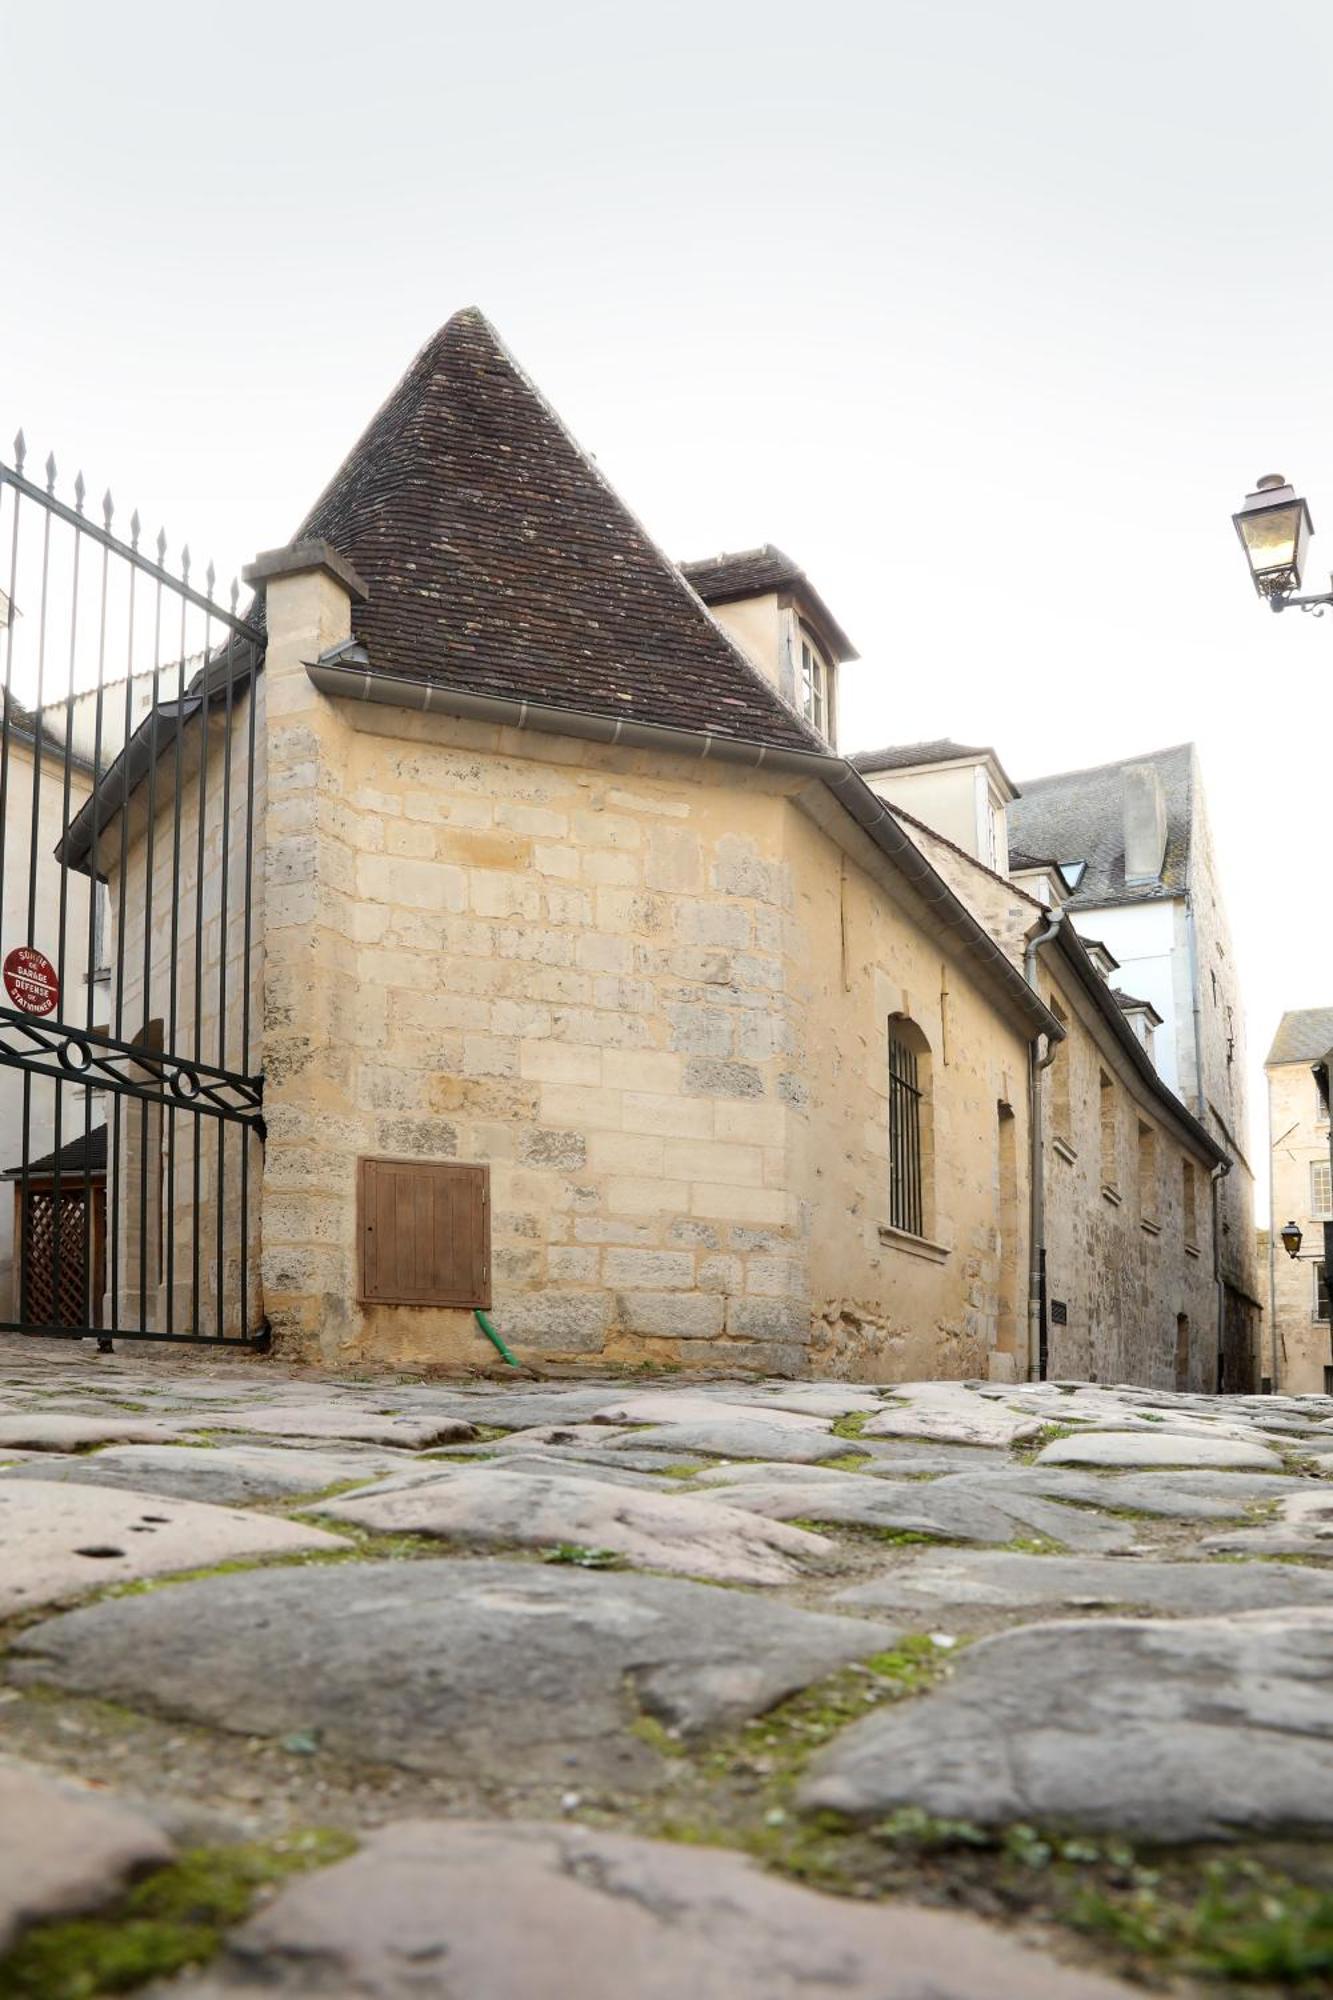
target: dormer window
<point>814,684</point>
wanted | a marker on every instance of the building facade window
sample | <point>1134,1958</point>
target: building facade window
<point>1320,1312</point>
<point>909,1128</point>
<point>814,684</point>
<point>1061,1121</point>
<point>1321,1188</point>
<point>1106,1121</point>
<point>1147,1173</point>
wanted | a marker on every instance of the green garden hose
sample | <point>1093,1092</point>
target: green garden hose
<point>493,1337</point>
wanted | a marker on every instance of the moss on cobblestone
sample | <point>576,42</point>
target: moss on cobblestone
<point>174,1919</point>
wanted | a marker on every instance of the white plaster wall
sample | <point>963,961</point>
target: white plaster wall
<point>74,999</point>
<point>1142,936</point>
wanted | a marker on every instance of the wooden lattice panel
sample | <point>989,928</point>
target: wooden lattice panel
<point>57,1245</point>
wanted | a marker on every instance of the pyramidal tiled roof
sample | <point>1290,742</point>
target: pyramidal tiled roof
<point>498,558</point>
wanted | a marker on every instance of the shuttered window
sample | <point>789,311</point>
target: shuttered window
<point>424,1233</point>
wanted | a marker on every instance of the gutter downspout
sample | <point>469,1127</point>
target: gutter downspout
<point>1215,1180</point>
<point>1037,1157</point>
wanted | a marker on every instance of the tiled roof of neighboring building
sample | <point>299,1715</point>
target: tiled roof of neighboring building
<point>84,1154</point>
<point>1131,1004</point>
<point>1079,816</point>
<point>497,558</point>
<point>904,756</point>
<point>723,579</point>
<point>1303,1035</point>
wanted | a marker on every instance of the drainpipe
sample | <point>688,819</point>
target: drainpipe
<point>1036,1163</point>
<point>1215,1179</point>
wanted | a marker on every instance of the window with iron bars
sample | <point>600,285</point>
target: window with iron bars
<point>906,1207</point>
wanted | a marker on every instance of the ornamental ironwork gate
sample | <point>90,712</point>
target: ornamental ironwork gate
<point>130,1105</point>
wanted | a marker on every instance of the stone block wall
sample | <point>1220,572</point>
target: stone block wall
<point>1128,1264</point>
<point>605,974</point>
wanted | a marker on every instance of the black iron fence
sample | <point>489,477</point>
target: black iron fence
<point>130,1106</point>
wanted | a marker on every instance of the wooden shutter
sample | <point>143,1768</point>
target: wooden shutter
<point>425,1233</point>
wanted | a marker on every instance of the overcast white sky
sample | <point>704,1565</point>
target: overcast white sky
<point>988,311</point>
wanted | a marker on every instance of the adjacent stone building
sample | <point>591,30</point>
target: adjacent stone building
<point>1134,844</point>
<point>1300,1358</point>
<point>1124,1285</point>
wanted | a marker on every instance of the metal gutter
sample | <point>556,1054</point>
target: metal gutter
<point>346,673</point>
<point>1037,1161</point>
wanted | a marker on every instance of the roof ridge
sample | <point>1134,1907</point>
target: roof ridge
<point>1111,764</point>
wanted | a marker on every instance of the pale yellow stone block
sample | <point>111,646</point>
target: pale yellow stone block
<point>418,885</point>
<point>560,862</point>
<point>633,1153</point>
<point>633,1195</point>
<point>752,1124</point>
<point>580,1106</point>
<point>670,1117</point>
<point>482,850</point>
<point>713,1160</point>
<point>559,1062</point>
<point>608,868</point>
<point>640,1070</point>
<point>739,1204</point>
<point>503,895</point>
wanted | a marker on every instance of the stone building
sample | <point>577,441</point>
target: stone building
<point>1125,1284</point>
<point>1300,1358</point>
<point>1134,844</point>
<point>598,992</point>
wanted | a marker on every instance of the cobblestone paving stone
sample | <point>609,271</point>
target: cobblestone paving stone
<point>727,1688</point>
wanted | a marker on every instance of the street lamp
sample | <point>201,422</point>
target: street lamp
<point>1274,526</point>
<point>1291,1238</point>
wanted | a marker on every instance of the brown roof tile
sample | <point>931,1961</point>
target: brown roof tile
<point>498,558</point>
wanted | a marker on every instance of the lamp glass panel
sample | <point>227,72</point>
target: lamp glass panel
<point>1272,537</point>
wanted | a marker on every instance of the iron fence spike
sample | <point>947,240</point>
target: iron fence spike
<point>210,576</point>
<point>20,450</point>
<point>235,594</point>
<point>79,490</point>
<point>50,472</point>
<point>185,562</point>
<point>161,546</point>
<point>135,528</point>
<point>108,507</point>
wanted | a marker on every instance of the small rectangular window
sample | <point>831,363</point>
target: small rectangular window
<point>1321,1188</point>
<point>1147,1173</point>
<point>1321,1310</point>
<point>1061,1124</point>
<point>905,1189</point>
<point>814,684</point>
<point>424,1233</point>
<point>1108,1134</point>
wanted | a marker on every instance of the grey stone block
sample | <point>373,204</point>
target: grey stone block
<point>672,1315</point>
<point>705,1077</point>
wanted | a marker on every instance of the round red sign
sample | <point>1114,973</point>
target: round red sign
<point>30,980</point>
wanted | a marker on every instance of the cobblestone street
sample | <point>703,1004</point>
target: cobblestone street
<point>389,1687</point>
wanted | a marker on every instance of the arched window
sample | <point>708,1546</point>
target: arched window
<point>911,1205</point>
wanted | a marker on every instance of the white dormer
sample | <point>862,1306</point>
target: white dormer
<point>780,622</point>
<point>958,790</point>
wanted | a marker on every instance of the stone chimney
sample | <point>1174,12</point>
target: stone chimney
<point>1145,824</point>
